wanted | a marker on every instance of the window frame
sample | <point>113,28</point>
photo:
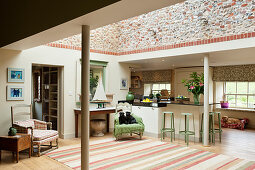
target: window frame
<point>237,94</point>
<point>158,91</point>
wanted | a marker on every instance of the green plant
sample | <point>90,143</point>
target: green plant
<point>93,83</point>
<point>196,84</point>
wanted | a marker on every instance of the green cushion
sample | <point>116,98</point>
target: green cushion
<point>128,128</point>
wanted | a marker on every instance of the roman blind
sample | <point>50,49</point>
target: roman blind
<point>234,73</point>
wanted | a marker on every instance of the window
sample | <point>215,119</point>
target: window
<point>240,94</point>
<point>156,88</point>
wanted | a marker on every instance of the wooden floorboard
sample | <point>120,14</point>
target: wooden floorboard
<point>235,143</point>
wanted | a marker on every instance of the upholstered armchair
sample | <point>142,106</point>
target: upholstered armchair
<point>120,129</point>
<point>41,132</point>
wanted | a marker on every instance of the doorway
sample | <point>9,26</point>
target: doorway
<point>46,94</point>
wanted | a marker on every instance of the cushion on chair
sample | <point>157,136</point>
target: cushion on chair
<point>43,134</point>
<point>25,123</point>
<point>50,139</point>
<point>128,128</point>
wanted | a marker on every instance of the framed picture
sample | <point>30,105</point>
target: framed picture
<point>123,84</point>
<point>16,75</point>
<point>15,92</point>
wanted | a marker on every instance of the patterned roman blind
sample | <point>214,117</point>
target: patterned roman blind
<point>156,76</point>
<point>234,73</point>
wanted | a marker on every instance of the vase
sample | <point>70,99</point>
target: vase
<point>196,98</point>
<point>130,96</point>
<point>12,131</point>
<point>98,126</point>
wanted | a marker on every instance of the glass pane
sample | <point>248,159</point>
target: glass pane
<point>242,87</point>
<point>230,87</point>
<point>168,87</point>
<point>155,87</point>
<point>241,101</point>
<point>251,100</point>
<point>232,100</point>
<point>251,87</point>
<point>147,89</point>
<point>162,86</point>
<point>155,92</point>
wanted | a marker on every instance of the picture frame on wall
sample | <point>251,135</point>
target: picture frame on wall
<point>16,75</point>
<point>123,84</point>
<point>15,93</point>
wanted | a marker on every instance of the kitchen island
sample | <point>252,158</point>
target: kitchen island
<point>153,117</point>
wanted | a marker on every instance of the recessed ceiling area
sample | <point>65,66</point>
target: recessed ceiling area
<point>222,58</point>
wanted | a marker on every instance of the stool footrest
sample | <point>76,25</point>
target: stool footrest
<point>187,132</point>
<point>168,130</point>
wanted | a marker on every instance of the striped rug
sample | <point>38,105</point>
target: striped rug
<point>146,154</point>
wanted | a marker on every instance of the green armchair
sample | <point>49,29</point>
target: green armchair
<point>120,129</point>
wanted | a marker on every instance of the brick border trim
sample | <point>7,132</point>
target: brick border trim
<point>165,47</point>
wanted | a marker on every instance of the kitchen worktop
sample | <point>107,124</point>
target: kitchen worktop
<point>164,104</point>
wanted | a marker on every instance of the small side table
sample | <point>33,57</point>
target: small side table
<point>16,144</point>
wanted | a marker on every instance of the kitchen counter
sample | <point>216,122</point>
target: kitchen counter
<point>152,117</point>
<point>164,104</point>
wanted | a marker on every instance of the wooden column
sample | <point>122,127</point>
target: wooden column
<point>206,101</point>
<point>85,64</point>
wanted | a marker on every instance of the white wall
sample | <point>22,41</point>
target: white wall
<point>59,57</point>
<point>184,73</point>
<point>25,59</point>
<point>114,73</point>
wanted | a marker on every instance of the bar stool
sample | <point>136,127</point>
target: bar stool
<point>187,132</point>
<point>212,129</point>
<point>171,129</point>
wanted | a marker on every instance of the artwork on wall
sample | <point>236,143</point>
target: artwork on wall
<point>16,75</point>
<point>123,84</point>
<point>15,92</point>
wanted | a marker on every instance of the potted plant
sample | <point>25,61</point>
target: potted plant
<point>195,85</point>
<point>224,104</point>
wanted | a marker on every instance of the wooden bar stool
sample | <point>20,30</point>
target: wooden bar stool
<point>212,129</point>
<point>186,132</point>
<point>164,129</point>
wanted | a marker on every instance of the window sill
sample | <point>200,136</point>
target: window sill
<point>237,109</point>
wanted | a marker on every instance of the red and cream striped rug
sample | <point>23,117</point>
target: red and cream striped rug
<point>146,154</point>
